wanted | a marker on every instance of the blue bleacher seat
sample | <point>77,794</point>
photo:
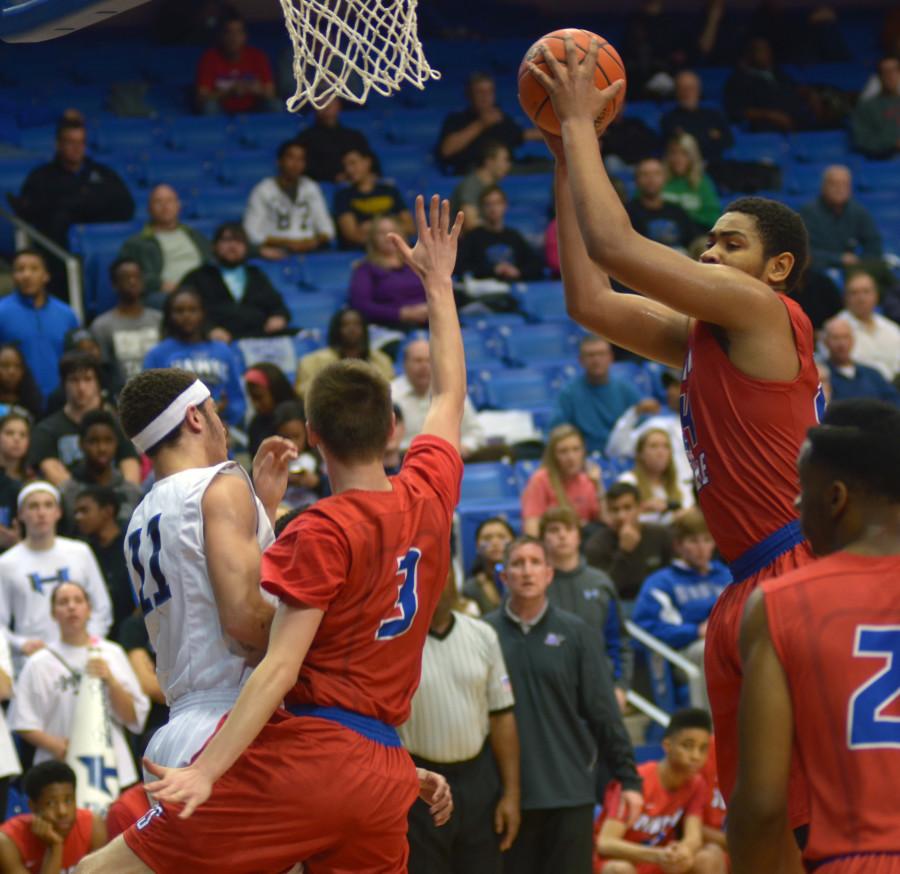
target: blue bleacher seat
<point>173,169</point>
<point>528,221</point>
<point>220,203</point>
<point>329,269</point>
<point>490,321</point>
<point>279,351</point>
<point>762,147</point>
<point>488,482</point>
<point>878,175</point>
<point>542,301</point>
<point>480,350</point>
<point>312,311</point>
<point>534,191</point>
<point>516,389</point>
<point>244,169</point>
<point>524,470</point>
<point>818,146</point>
<point>284,275</point>
<point>540,345</point>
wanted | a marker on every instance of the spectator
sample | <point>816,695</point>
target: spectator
<point>234,77</point>
<point>32,570</point>
<point>15,435</point>
<point>593,401</point>
<point>165,248</point>
<point>239,299</point>
<point>491,539</point>
<point>305,485</point>
<point>186,344</point>
<point>565,479</point>
<point>348,337</point>
<point>465,134</point>
<point>72,189</point>
<point>286,214</point>
<point>34,321</point>
<point>128,331</point>
<point>586,592</point>
<point>411,392</point>
<point>688,185</point>
<point>493,166</point>
<point>849,379</point>
<point>876,339</point>
<point>365,198</point>
<point>326,142</point>
<point>57,834</point>
<point>393,455</point>
<point>494,251</point>
<point>675,602</point>
<point>267,387</point>
<point>651,215</point>
<point>82,341</point>
<point>462,726</point>
<point>656,478</point>
<point>628,550</point>
<point>383,287</point>
<point>47,688</point>
<point>55,442</point>
<point>706,124</point>
<point>18,390</point>
<point>567,717</point>
<point>875,123</point>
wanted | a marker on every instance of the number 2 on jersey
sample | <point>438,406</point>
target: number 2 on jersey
<point>868,727</point>
<point>401,617</point>
<point>163,592</point>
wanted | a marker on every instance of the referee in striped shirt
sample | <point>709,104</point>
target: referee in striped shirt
<point>463,701</point>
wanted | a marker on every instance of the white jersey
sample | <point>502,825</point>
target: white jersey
<point>165,551</point>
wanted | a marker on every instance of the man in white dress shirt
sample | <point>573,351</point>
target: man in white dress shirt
<point>876,338</point>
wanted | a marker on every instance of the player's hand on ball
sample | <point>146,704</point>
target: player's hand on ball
<point>434,790</point>
<point>434,255</point>
<point>187,786</point>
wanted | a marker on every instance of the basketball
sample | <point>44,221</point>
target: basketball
<point>533,96</point>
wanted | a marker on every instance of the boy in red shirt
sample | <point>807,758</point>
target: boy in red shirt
<point>57,835</point>
<point>667,837</point>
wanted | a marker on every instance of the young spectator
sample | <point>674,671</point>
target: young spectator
<point>286,213</point>
<point>15,436</point>
<point>18,390</point>
<point>364,199</point>
<point>493,166</point>
<point>186,344</point>
<point>305,485</point>
<point>239,299</point>
<point>267,387</point>
<point>875,123</point>
<point>36,322</point>
<point>72,189</point>
<point>383,287</point>
<point>628,550</point>
<point>651,215</point>
<point>82,341</point>
<point>491,539</point>
<point>493,250</point>
<point>688,185</point>
<point>656,478</point>
<point>47,688</point>
<point>592,402</point>
<point>668,834</point>
<point>234,77</point>
<point>565,479</point>
<point>32,570</point>
<point>128,331</point>
<point>876,339</point>
<point>849,379</point>
<point>326,142</point>
<point>706,124</point>
<point>55,441</point>
<point>675,602</point>
<point>57,834</point>
<point>348,337</point>
<point>165,248</point>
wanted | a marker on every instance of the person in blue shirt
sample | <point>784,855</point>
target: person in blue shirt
<point>186,345</point>
<point>675,602</point>
<point>36,322</point>
<point>593,402</point>
<point>848,378</point>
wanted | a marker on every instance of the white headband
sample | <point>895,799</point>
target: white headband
<point>171,417</point>
<point>39,486</point>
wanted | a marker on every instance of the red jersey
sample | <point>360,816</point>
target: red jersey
<point>835,626</point>
<point>714,811</point>
<point>217,71</point>
<point>743,436</point>
<point>32,849</point>
<point>376,563</point>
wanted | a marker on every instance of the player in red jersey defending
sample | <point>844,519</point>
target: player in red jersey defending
<point>358,577</point>
<point>821,648</point>
<point>750,388</point>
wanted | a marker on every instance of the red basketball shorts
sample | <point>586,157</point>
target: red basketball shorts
<point>861,863</point>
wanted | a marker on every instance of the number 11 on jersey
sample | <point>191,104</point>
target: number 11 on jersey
<point>163,592</point>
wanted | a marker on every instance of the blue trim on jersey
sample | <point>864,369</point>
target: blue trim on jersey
<point>367,726</point>
<point>821,863</point>
<point>766,551</point>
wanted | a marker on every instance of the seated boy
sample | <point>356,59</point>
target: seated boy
<point>57,835</point>
<point>667,837</point>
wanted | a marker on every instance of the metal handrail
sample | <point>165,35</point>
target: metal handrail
<point>669,654</point>
<point>73,267</point>
<point>648,708</point>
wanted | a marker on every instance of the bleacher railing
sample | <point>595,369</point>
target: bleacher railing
<point>661,649</point>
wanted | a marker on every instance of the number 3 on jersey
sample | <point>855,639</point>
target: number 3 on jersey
<point>401,617</point>
<point>163,592</point>
<point>868,727</point>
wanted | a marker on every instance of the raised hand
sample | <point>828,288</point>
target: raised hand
<point>434,255</point>
<point>188,786</point>
<point>270,469</point>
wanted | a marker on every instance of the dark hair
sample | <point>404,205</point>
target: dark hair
<point>56,588</point>
<point>398,415</point>
<point>69,123</point>
<point>780,229</point>
<point>477,76</point>
<point>97,417</point>
<point>334,329</point>
<point>235,228</point>
<point>282,522</point>
<point>279,385</point>
<point>523,540</point>
<point>288,411</point>
<point>620,490</point>
<point>288,144</point>
<point>689,717</point>
<point>75,362</point>
<point>590,340</point>
<point>481,565</point>
<point>558,516</point>
<point>366,152</point>
<point>102,496</point>
<point>349,406</point>
<point>121,260</point>
<point>168,327</point>
<point>495,520</point>
<point>38,778</point>
<point>34,253</point>
<point>489,150</point>
<point>859,440</point>
<point>488,190</point>
<point>29,394</point>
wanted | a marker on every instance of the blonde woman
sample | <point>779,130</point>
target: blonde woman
<point>565,479</point>
<point>687,183</point>
<point>656,478</point>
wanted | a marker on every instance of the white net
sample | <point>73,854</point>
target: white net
<point>346,48</point>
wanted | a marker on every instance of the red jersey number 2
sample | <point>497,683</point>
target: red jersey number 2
<point>401,617</point>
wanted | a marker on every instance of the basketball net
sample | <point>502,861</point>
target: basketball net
<point>346,48</point>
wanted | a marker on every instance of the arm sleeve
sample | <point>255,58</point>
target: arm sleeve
<point>14,640</point>
<point>620,443</point>
<point>255,216</point>
<point>534,499</point>
<point>499,688</point>
<point>527,259</point>
<point>101,607</point>
<point>108,200</point>
<point>26,711</point>
<point>869,236</point>
<point>656,612</point>
<point>563,412</point>
<point>270,300</point>
<point>42,446</point>
<point>362,297</point>
<point>871,135</point>
<point>125,448</point>
<point>124,673</point>
<point>471,432</point>
<point>612,636</point>
<point>434,461</point>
